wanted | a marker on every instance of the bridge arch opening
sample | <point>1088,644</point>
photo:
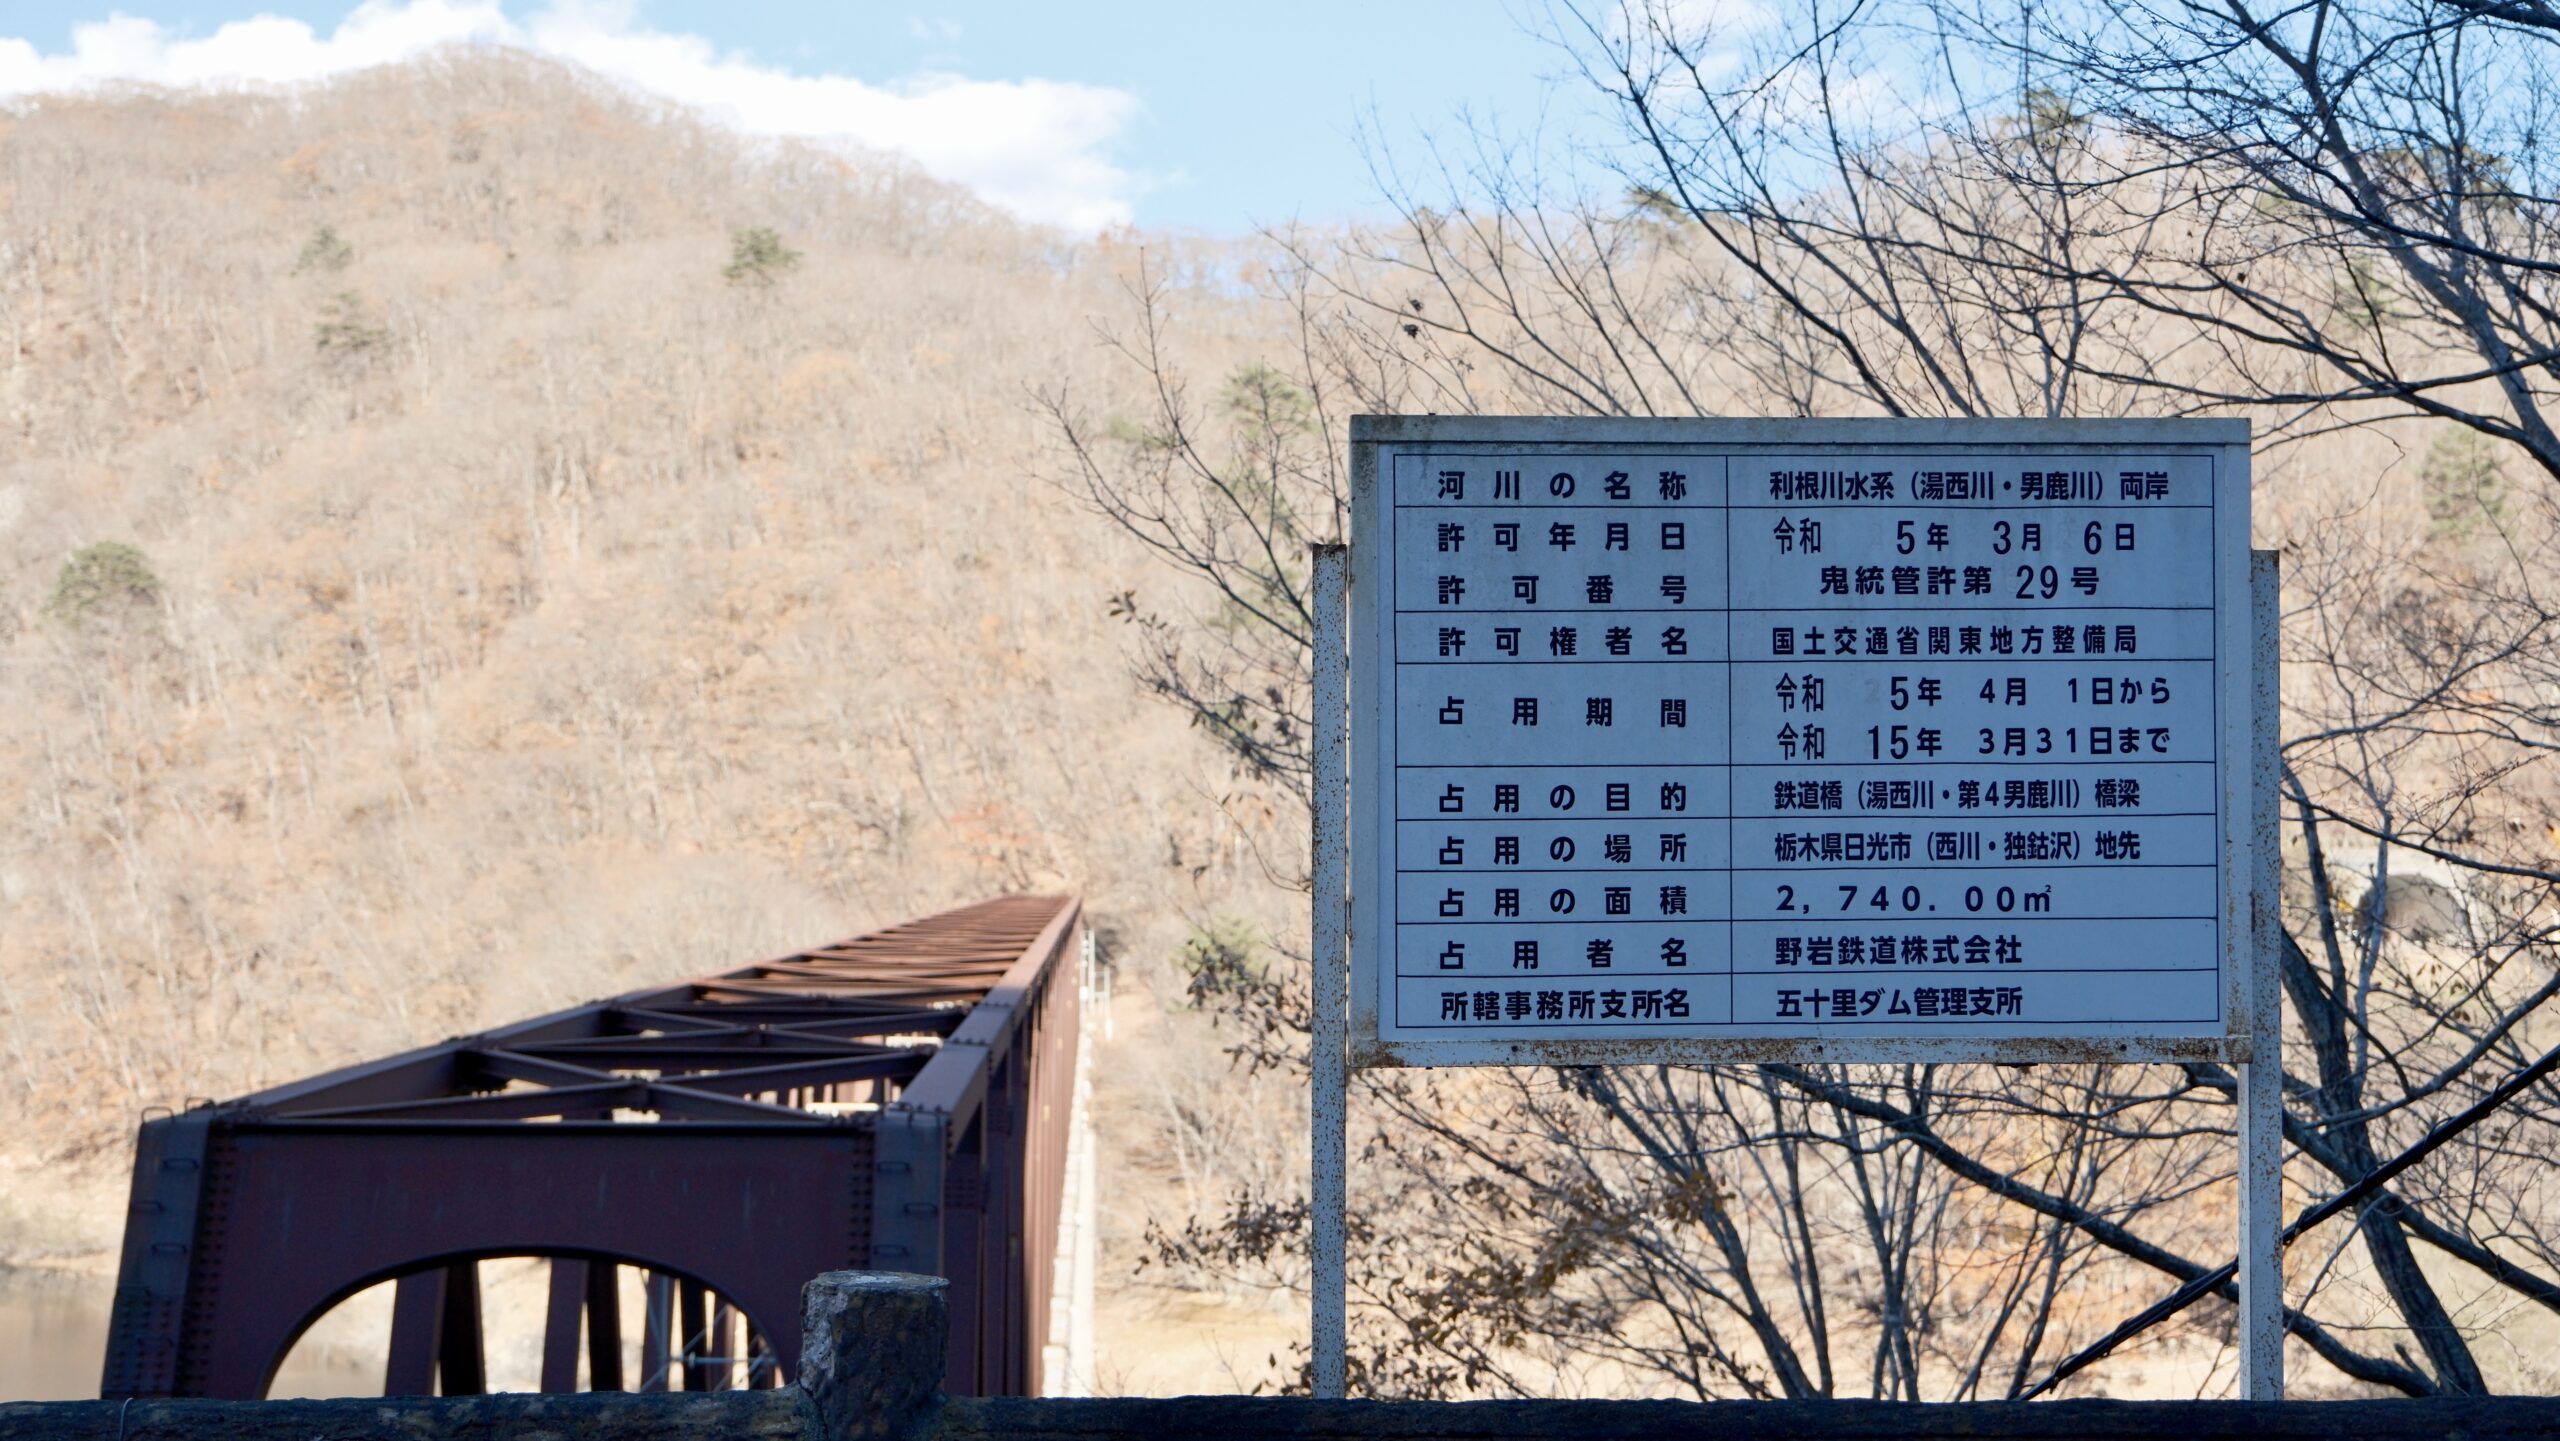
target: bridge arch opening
<point>517,1320</point>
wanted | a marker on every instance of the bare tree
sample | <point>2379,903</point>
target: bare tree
<point>2152,208</point>
<point>1231,496</point>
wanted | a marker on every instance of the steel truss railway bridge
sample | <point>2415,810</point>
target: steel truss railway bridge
<point>683,1158</point>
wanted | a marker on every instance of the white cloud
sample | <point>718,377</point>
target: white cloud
<point>1040,148</point>
<point>1690,23</point>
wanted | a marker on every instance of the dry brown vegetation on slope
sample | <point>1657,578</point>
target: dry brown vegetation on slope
<point>520,607</point>
<point>534,587</point>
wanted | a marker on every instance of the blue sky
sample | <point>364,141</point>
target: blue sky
<point>1205,116</point>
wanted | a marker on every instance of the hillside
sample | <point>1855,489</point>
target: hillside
<point>472,540</point>
<point>520,607</point>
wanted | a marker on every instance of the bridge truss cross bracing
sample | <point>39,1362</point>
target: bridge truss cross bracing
<point>897,1100</point>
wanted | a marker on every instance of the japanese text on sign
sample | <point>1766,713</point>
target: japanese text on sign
<point>1680,741</point>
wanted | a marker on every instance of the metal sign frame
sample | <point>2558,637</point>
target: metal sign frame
<point>1353,681</point>
<point>1373,439</point>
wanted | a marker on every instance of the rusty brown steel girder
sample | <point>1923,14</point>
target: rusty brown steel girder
<point>899,1095</point>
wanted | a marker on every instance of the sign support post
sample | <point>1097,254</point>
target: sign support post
<point>2261,1095</point>
<point>1329,1079</point>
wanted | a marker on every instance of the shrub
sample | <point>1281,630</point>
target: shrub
<point>1222,959</point>
<point>324,251</point>
<point>347,327</point>
<point>757,256</point>
<point>107,576</point>
<point>2466,487</point>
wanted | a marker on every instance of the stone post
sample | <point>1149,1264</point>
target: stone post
<point>871,1352</point>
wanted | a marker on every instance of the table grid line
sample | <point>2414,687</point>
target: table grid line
<point>1536,508</point>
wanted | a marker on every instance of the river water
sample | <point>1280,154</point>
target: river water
<point>53,1342</point>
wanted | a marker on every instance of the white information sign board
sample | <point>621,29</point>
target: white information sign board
<point>1747,740</point>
